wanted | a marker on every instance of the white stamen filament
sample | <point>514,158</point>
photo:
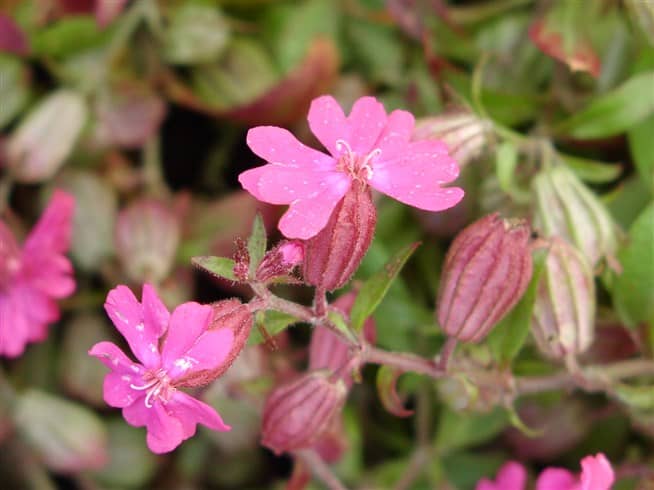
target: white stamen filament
<point>154,387</point>
<point>352,163</point>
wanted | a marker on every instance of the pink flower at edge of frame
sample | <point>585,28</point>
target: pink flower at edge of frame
<point>169,348</point>
<point>368,145</point>
<point>511,476</point>
<point>34,277</point>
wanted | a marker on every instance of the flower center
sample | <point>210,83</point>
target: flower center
<point>355,165</point>
<point>158,386</point>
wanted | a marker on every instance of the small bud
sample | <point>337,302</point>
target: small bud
<point>465,134</point>
<point>281,260</point>
<point>332,256</point>
<point>231,314</point>
<point>328,351</point>
<point>298,414</point>
<point>486,271</point>
<point>147,235</point>
<point>564,312</point>
<point>67,436</point>
<point>565,207</point>
<point>45,138</point>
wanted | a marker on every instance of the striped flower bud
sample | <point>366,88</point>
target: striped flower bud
<point>465,134</point>
<point>564,312</point>
<point>147,236</point>
<point>565,207</point>
<point>281,260</point>
<point>296,415</point>
<point>332,256</point>
<point>486,271</point>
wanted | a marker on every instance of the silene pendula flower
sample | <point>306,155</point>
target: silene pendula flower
<point>297,414</point>
<point>596,474</point>
<point>487,270</point>
<point>564,311</point>
<point>175,350</point>
<point>34,277</point>
<point>368,147</point>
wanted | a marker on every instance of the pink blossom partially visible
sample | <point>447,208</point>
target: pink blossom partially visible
<point>12,38</point>
<point>368,146</point>
<point>173,351</point>
<point>511,476</point>
<point>34,277</point>
<point>596,474</point>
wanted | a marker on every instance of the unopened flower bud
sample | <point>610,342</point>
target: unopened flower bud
<point>281,260</point>
<point>564,312</point>
<point>465,134</point>
<point>45,138</point>
<point>67,436</point>
<point>565,207</point>
<point>486,271</point>
<point>332,256</point>
<point>298,414</point>
<point>328,351</point>
<point>147,236</point>
<point>235,316</point>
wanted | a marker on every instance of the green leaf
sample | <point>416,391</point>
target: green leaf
<point>339,322</point>
<point>221,267</point>
<point>273,322</point>
<point>375,288</point>
<point>462,430</point>
<point>13,88</point>
<point>197,34</point>
<point>510,334</point>
<point>378,51</point>
<point>639,397</point>
<point>614,112</point>
<point>592,171</point>
<point>633,293</point>
<point>301,24</point>
<point>257,244</point>
<point>641,144</point>
<point>68,36</point>
<point>387,390</point>
<point>506,162</point>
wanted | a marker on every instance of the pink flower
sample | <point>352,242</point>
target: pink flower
<point>32,279</point>
<point>511,476</point>
<point>173,350</point>
<point>596,474</point>
<point>367,146</point>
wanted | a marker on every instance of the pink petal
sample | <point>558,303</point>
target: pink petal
<point>165,431</point>
<point>187,323</point>
<point>596,473</point>
<point>118,391</point>
<point>328,122</point>
<point>277,145</point>
<point>115,359</point>
<point>191,410</point>
<point>556,479</point>
<point>52,274</point>
<point>52,233</point>
<point>155,313</point>
<point>127,315</point>
<point>367,121</point>
<point>137,414</point>
<point>14,328</point>
<point>512,476</point>
<point>107,10</point>
<point>416,177</point>
<point>306,217</point>
<point>278,184</point>
<point>396,135</point>
<point>208,353</point>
